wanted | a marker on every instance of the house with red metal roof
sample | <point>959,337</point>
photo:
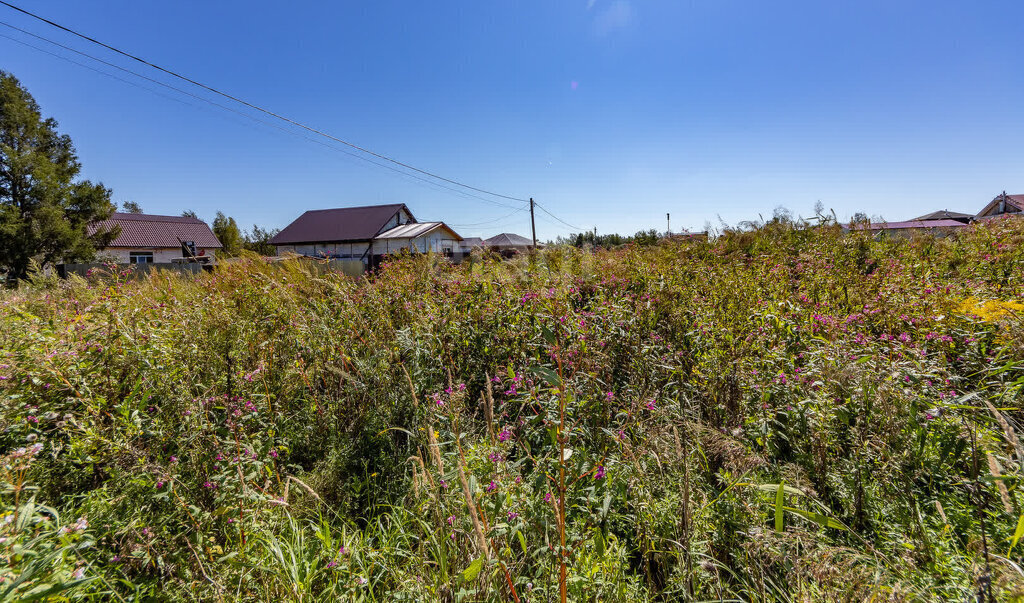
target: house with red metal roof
<point>366,233</point>
<point>149,239</point>
<point>1002,205</point>
<point>944,222</point>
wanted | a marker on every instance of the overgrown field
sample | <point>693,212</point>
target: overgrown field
<point>787,414</point>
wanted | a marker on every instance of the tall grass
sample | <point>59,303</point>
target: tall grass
<point>783,414</point>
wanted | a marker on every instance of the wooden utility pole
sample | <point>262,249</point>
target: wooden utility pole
<point>533,224</point>
<point>668,222</point>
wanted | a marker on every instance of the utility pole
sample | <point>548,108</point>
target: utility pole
<point>533,224</point>
<point>668,222</point>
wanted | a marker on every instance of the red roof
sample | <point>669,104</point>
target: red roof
<point>910,224</point>
<point>338,225</point>
<point>145,230</point>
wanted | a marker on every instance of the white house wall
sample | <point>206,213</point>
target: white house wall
<point>162,255</point>
<point>432,241</point>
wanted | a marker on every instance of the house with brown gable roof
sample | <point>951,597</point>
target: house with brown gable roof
<point>366,233</point>
<point>152,239</point>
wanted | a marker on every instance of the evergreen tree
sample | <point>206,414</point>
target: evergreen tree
<point>132,207</point>
<point>228,233</point>
<point>44,212</point>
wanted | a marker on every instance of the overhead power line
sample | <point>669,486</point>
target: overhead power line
<point>505,217</point>
<point>544,209</point>
<point>248,116</point>
<point>259,108</point>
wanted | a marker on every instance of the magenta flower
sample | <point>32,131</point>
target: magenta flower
<point>504,435</point>
<point>491,487</point>
<point>600,472</point>
<point>210,485</point>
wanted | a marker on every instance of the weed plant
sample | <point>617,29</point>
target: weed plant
<point>788,413</point>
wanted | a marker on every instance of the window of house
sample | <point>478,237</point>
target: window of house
<point>140,257</point>
<point>447,251</point>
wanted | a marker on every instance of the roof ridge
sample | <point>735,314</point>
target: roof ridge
<point>382,205</point>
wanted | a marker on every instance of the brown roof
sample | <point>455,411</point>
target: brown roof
<point>146,230</point>
<point>1015,203</point>
<point>338,225</point>
<point>945,214</point>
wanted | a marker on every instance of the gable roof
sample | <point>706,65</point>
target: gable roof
<point>415,229</point>
<point>472,242</point>
<point>1015,203</point>
<point>339,224</point>
<point>945,214</point>
<point>147,230</point>
<point>508,239</point>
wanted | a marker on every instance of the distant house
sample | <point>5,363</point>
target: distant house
<point>937,227</point>
<point>687,236</point>
<point>508,243</point>
<point>944,222</point>
<point>149,239</point>
<point>365,233</point>
<point>945,214</point>
<point>471,243</point>
<point>1003,204</point>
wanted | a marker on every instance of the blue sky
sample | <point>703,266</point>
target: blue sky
<point>609,112</point>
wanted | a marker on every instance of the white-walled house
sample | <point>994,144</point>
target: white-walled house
<point>152,239</point>
<point>366,233</point>
<point>418,236</point>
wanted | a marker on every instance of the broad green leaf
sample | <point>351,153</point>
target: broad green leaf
<point>606,505</point>
<point>471,572</point>
<point>522,542</point>
<point>547,374</point>
<point>780,497</point>
<point>775,488</point>
<point>1016,534</point>
<point>599,543</point>
<point>818,518</point>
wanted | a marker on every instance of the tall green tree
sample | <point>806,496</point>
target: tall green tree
<point>228,233</point>
<point>258,240</point>
<point>132,207</point>
<point>44,212</point>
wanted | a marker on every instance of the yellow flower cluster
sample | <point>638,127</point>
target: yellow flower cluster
<point>990,310</point>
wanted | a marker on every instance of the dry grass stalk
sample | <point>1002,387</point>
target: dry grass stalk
<point>1011,435</point>
<point>477,528</point>
<point>1004,494</point>
<point>435,449</point>
<point>488,400</point>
